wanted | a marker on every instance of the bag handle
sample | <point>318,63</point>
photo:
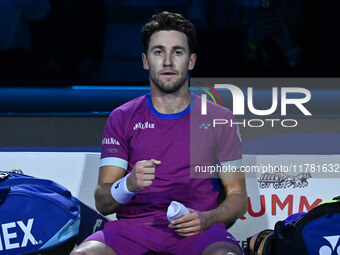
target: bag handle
<point>337,198</point>
<point>334,200</point>
<point>256,240</point>
<point>3,176</point>
<point>263,243</point>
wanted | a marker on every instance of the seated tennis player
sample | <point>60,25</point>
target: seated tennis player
<point>149,149</point>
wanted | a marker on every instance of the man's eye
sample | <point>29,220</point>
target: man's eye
<point>158,52</point>
<point>178,53</point>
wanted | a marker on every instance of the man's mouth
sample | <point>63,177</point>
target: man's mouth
<point>168,73</point>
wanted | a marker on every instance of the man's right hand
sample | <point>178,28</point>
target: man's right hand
<point>142,175</point>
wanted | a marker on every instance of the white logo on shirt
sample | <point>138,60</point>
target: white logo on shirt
<point>110,140</point>
<point>143,125</point>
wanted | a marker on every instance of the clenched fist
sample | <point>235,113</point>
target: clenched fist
<point>142,175</point>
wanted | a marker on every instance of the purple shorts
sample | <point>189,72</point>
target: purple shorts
<point>139,236</point>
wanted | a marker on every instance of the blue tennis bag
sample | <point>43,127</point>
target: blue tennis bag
<point>316,232</point>
<point>37,216</point>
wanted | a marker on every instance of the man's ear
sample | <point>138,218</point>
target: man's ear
<point>145,62</point>
<point>192,61</point>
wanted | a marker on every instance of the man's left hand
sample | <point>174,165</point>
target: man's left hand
<point>191,224</point>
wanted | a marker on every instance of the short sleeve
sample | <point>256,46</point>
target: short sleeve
<point>229,147</point>
<point>114,150</point>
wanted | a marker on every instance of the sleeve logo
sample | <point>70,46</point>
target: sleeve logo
<point>110,140</point>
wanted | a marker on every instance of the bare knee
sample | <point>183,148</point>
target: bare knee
<point>77,252</point>
<point>222,248</point>
<point>89,252</point>
<point>223,252</point>
<point>81,252</point>
<point>74,253</point>
<point>93,248</point>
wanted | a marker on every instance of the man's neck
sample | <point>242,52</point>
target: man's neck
<point>170,103</point>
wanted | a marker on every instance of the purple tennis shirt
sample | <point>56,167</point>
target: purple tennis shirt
<point>136,131</point>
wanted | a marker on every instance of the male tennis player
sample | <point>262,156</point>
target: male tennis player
<point>147,155</point>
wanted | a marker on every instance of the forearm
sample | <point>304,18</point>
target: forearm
<point>233,207</point>
<point>114,189</point>
<point>105,203</point>
<point>196,222</point>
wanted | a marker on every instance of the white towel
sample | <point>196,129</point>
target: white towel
<point>176,210</point>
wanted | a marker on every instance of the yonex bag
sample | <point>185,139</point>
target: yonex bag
<point>37,216</point>
<point>314,233</point>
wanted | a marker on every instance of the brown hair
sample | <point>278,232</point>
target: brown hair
<point>169,21</point>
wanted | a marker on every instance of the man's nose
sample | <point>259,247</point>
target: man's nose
<point>167,59</point>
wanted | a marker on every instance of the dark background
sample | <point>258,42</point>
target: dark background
<point>97,42</point>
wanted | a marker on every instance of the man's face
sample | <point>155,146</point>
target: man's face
<point>168,60</point>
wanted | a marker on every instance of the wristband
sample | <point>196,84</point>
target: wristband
<point>120,192</point>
